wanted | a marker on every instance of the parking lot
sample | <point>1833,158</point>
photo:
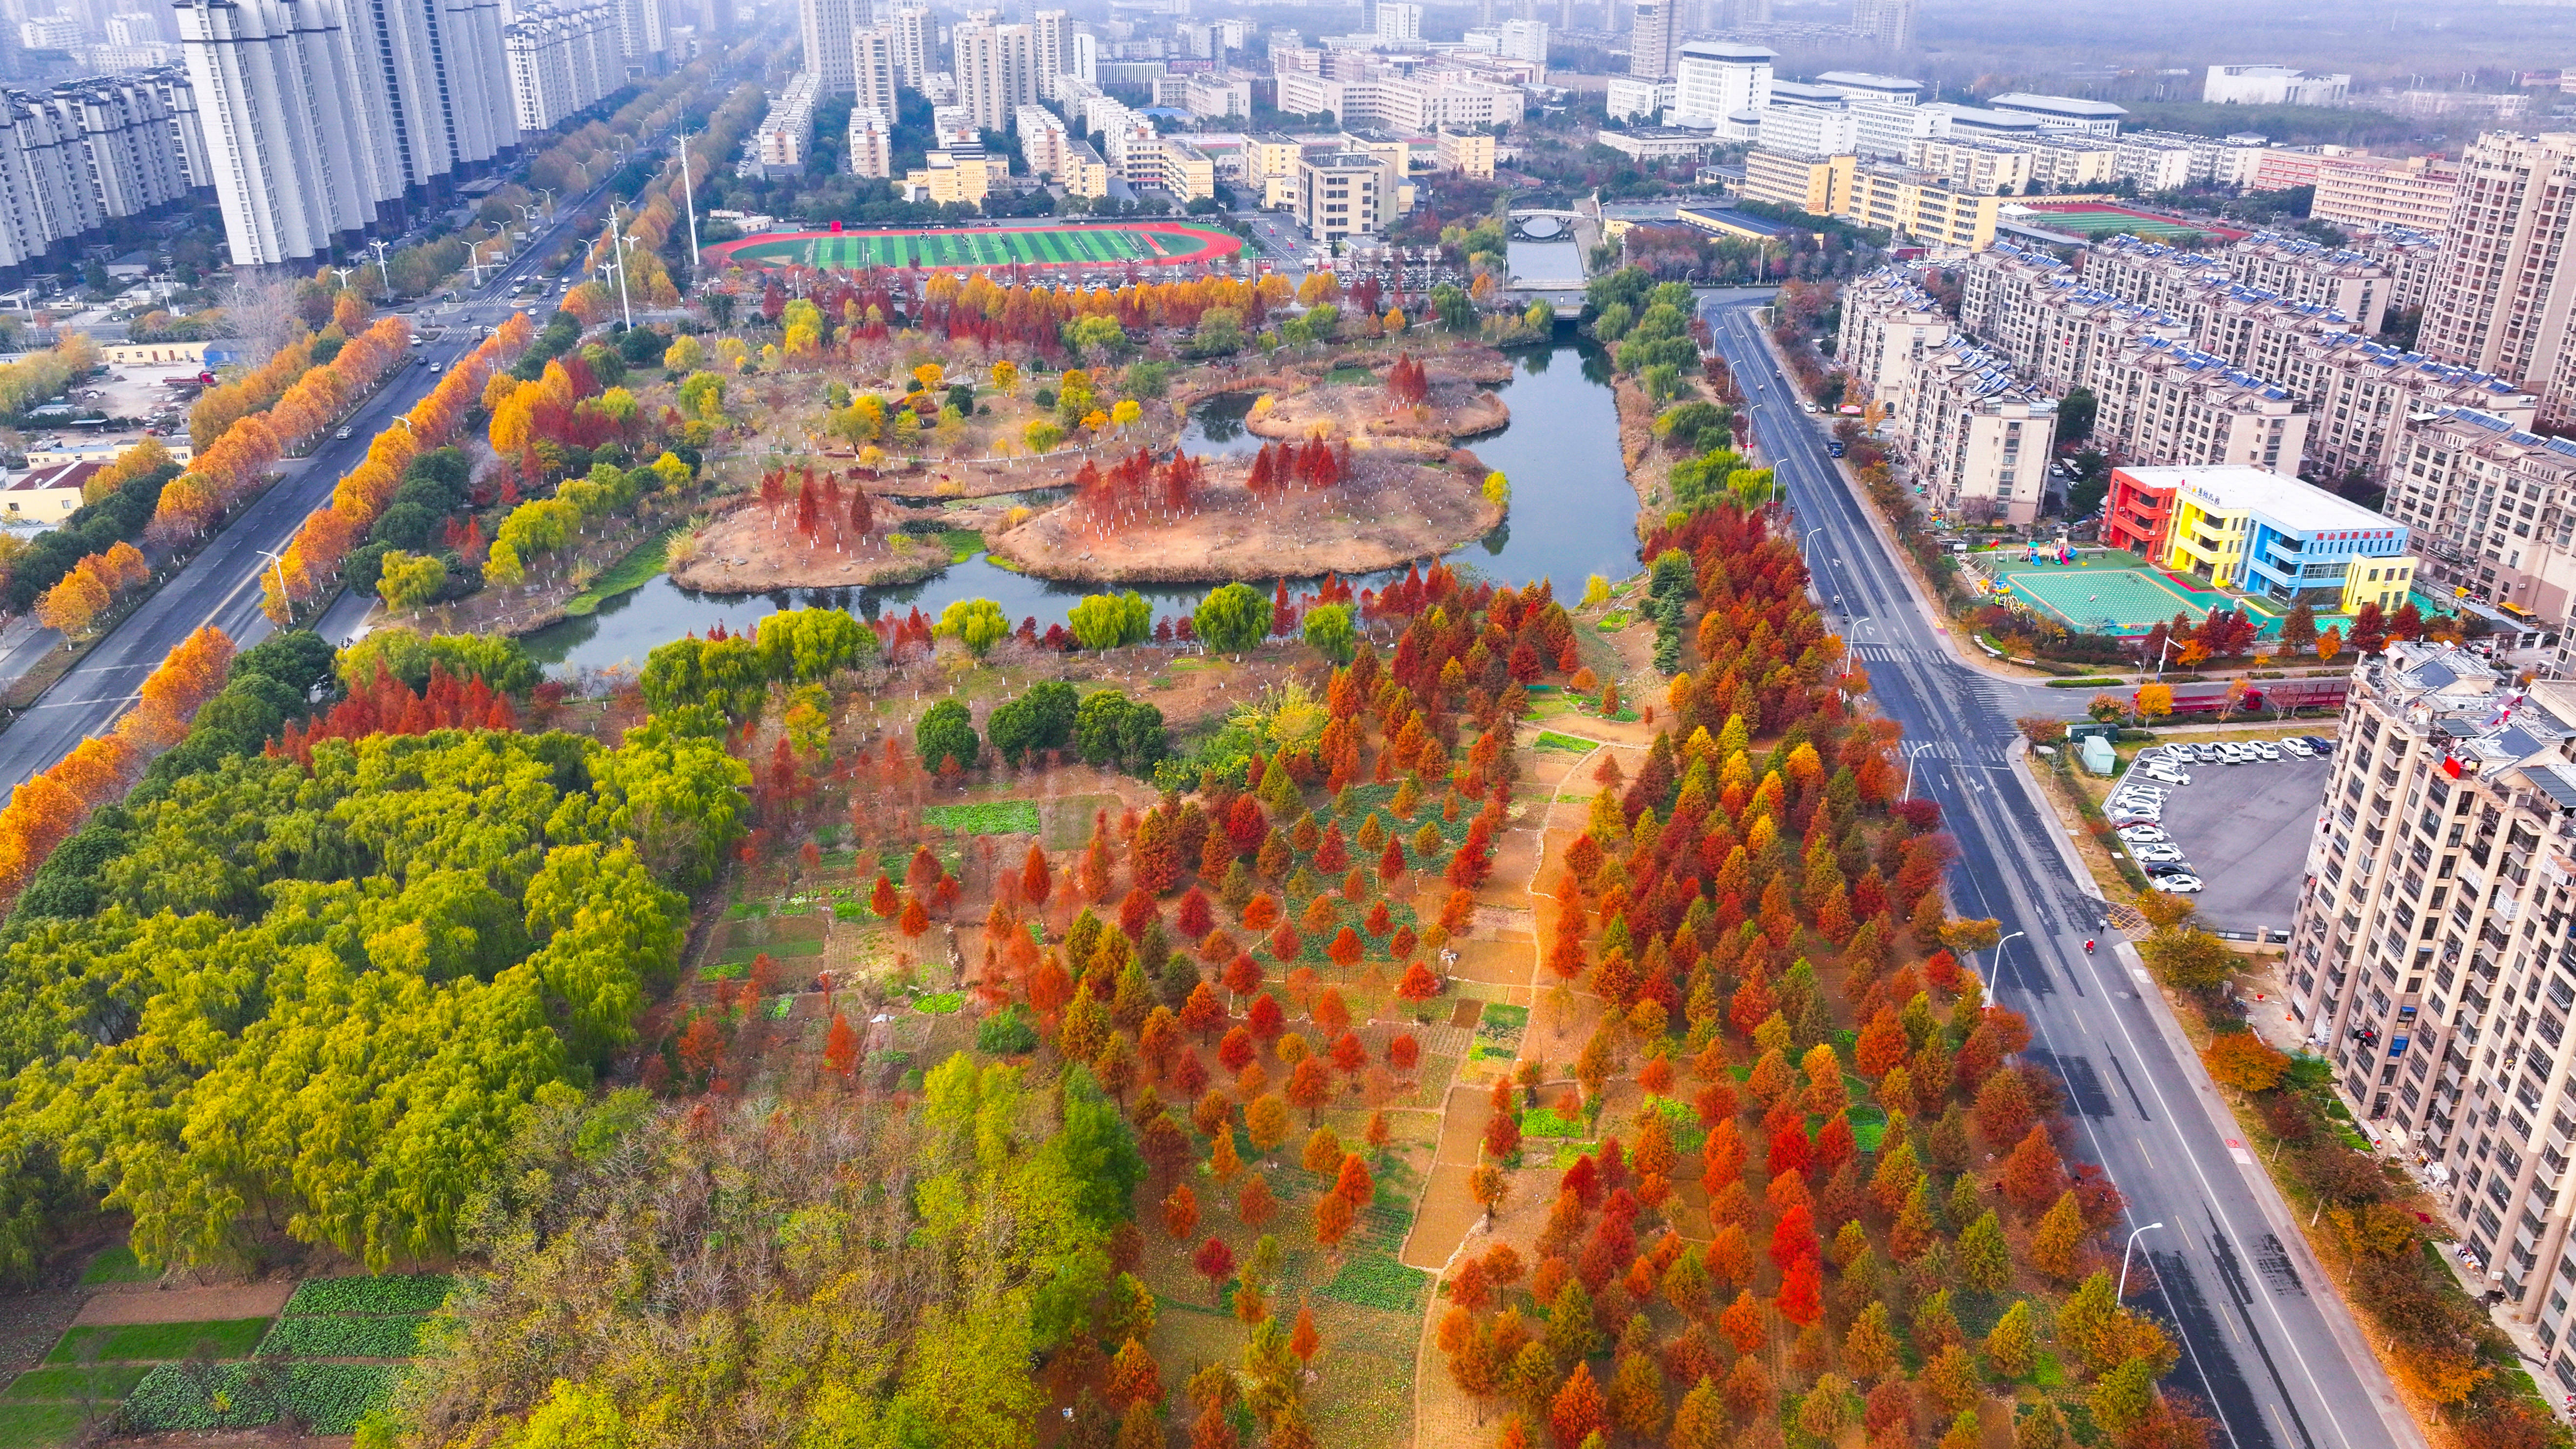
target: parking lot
<point>2244,829</point>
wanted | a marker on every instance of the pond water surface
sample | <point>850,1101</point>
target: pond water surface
<point>1572,516</point>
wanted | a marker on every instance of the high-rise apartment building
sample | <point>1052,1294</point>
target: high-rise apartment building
<point>322,117</point>
<point>1654,45</point>
<point>1398,22</point>
<point>871,143</point>
<point>2429,957</point>
<point>1050,31</point>
<point>827,27</point>
<point>563,59</point>
<point>1888,22</point>
<point>996,68</point>
<point>2505,295</point>
<point>912,37</point>
<point>1715,79</point>
<point>872,69</point>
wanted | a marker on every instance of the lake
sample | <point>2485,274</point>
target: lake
<point>1572,516</point>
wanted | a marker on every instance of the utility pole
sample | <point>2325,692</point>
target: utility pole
<point>689,191</point>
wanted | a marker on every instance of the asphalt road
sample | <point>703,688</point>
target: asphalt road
<point>2272,1351</point>
<point>221,585</point>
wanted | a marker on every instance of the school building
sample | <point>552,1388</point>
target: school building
<point>2260,532</point>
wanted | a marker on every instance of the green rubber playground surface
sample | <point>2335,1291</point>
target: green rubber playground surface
<point>2105,220</point>
<point>2110,601</point>
<point>1146,243</point>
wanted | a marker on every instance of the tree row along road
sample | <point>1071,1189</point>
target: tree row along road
<point>221,585</point>
<point>2273,1352</point>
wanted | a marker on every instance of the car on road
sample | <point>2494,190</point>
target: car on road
<point>435,366</point>
<point>2177,885</point>
<point>342,435</point>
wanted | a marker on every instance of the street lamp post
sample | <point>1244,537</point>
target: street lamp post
<point>279,560</point>
<point>1909,769</point>
<point>1999,957</point>
<point>383,271</point>
<point>689,194</point>
<point>2124,1260</point>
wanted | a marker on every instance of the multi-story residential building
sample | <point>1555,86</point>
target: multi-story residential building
<point>1084,174</point>
<point>1715,79</point>
<point>1887,23</point>
<point>2428,956</point>
<point>1654,40</point>
<point>2495,508</point>
<point>913,34</point>
<point>313,136</point>
<point>2506,291</point>
<point>123,131</point>
<point>563,59</point>
<point>785,139</point>
<point>872,73</point>
<point>187,133</point>
<point>2160,402</point>
<point>2260,532</point>
<point>1042,138</point>
<point>996,68</point>
<point>2414,192</point>
<point>50,32</point>
<point>1889,324</point>
<point>1420,103</point>
<point>2413,261</point>
<point>1345,194</point>
<point>2215,160</point>
<point>2351,281</point>
<point>2272,85</point>
<point>1397,22</point>
<point>1976,438</point>
<point>2151,163</point>
<point>826,26</point>
<point>2071,161</point>
<point>871,143</point>
<point>1270,167</point>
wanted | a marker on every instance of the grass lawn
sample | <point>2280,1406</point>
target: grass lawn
<point>1566,744</point>
<point>647,559</point>
<point>38,1426</point>
<point>102,1382</point>
<point>988,817</point>
<point>116,1264</point>
<point>158,1342</point>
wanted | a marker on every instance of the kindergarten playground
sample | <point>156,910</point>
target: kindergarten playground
<point>1120,244</point>
<point>2113,591</point>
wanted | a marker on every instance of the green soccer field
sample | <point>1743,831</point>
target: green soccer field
<point>2118,601</point>
<point>1148,243</point>
<point>2099,223</point>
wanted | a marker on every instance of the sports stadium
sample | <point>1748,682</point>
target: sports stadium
<point>1053,244</point>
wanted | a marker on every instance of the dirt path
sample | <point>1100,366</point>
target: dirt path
<point>187,1305</point>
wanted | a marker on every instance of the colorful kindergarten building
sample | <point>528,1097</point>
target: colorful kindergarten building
<point>2260,532</point>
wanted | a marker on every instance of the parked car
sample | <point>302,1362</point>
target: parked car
<point>2177,885</point>
<point>2155,854</point>
<point>2267,751</point>
<point>2170,774</point>
<point>2144,835</point>
<point>2321,746</point>
<point>2296,749</point>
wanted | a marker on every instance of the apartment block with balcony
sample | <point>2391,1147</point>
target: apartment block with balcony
<point>1346,194</point>
<point>2495,506</point>
<point>2414,192</point>
<point>1889,324</point>
<point>1976,437</point>
<point>2162,401</point>
<point>2429,957</point>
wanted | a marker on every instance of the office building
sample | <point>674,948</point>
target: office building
<point>2260,532</point>
<point>1654,42</point>
<point>871,143</point>
<point>1804,120</point>
<point>872,73</point>
<point>1868,88</point>
<point>2428,957</point>
<point>1345,194</point>
<point>1417,104</point>
<point>1976,437</point>
<point>2272,85</point>
<point>1270,168</point>
<point>2506,290</point>
<point>1715,79</point>
<point>996,70</point>
<point>2062,113</point>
